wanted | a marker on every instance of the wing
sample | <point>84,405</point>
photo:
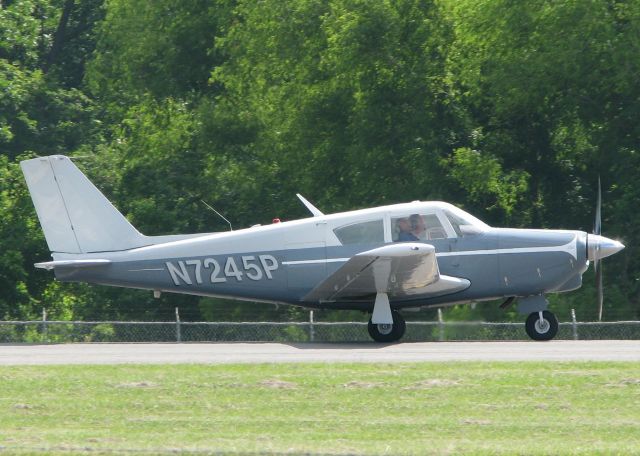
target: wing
<point>400,270</point>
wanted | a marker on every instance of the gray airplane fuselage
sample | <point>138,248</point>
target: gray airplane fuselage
<point>497,262</point>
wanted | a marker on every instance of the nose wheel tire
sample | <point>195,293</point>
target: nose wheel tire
<point>542,325</point>
<point>386,332</point>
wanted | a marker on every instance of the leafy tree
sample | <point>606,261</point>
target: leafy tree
<point>349,96</point>
<point>22,245</point>
<point>161,47</point>
<point>548,87</point>
<point>38,115</point>
<point>509,109</point>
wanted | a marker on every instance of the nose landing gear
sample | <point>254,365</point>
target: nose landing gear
<point>542,325</point>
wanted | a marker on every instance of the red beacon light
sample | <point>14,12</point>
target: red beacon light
<point>276,220</point>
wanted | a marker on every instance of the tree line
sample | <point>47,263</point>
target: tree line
<point>510,110</point>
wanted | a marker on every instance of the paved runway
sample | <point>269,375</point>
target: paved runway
<point>220,353</point>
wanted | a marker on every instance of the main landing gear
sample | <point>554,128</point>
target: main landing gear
<point>385,332</point>
<point>542,325</point>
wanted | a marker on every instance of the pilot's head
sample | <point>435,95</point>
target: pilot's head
<point>403,225</point>
<point>417,223</point>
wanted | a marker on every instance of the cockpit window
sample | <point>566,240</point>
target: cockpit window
<point>370,232</point>
<point>417,227</point>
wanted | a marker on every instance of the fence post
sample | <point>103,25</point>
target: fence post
<point>44,326</point>
<point>178,335</point>
<point>574,324</point>
<point>440,326</point>
<point>311,329</point>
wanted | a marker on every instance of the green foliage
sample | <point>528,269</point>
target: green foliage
<point>549,86</point>
<point>509,109</point>
<point>161,47</point>
<point>26,29</point>
<point>16,89</point>
<point>484,181</point>
<point>349,96</point>
<point>101,333</point>
<point>22,245</point>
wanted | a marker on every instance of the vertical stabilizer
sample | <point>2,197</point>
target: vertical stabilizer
<point>75,216</point>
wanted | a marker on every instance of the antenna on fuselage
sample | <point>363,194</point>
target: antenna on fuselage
<point>222,216</point>
<point>314,210</point>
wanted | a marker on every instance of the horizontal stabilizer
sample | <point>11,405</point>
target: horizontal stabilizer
<point>49,265</point>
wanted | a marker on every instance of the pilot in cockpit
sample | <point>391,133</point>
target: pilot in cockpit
<point>404,230</point>
<point>410,229</point>
<point>418,227</point>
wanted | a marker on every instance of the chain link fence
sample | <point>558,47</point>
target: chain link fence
<point>417,331</point>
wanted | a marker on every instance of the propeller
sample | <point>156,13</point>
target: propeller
<point>597,265</point>
<point>599,247</point>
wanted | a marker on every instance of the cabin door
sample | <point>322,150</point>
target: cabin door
<point>307,260</point>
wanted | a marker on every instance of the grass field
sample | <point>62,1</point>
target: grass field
<point>453,408</point>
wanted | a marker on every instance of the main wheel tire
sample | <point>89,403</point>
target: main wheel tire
<point>388,333</point>
<point>542,330</point>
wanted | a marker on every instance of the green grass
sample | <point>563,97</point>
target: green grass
<point>432,408</point>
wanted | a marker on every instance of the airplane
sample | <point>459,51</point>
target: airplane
<point>423,254</point>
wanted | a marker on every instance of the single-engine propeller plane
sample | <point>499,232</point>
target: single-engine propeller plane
<point>379,260</point>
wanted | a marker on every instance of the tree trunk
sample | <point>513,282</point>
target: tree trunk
<point>59,35</point>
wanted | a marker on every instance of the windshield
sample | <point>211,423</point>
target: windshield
<point>458,217</point>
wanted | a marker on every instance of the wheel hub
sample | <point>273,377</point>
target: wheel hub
<point>385,328</point>
<point>542,326</point>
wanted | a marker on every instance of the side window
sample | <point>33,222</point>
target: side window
<point>370,232</point>
<point>434,229</point>
<point>417,227</point>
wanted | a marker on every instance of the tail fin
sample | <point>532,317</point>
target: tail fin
<point>75,216</point>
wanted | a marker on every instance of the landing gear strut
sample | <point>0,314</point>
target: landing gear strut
<point>386,332</point>
<point>542,325</point>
